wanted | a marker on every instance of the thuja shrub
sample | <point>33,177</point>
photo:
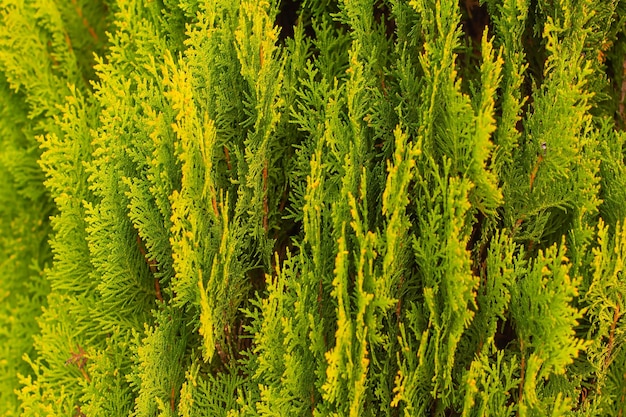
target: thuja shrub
<point>312,208</point>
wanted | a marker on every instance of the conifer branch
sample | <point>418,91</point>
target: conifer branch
<point>361,207</point>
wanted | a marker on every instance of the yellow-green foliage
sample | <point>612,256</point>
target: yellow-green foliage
<point>312,208</point>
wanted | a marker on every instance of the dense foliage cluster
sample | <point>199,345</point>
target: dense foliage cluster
<point>312,208</point>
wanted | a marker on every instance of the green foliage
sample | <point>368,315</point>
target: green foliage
<point>312,208</point>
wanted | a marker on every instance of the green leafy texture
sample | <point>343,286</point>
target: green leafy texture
<point>317,261</point>
<point>321,208</point>
<point>157,175</point>
<point>509,19</point>
<point>393,278</point>
<point>124,283</point>
<point>78,299</point>
<point>545,322</point>
<point>109,393</point>
<point>129,242</point>
<point>613,174</point>
<point>196,229</point>
<point>615,383</point>
<point>489,384</point>
<point>195,207</point>
<point>24,229</point>
<point>49,30</point>
<point>211,395</point>
<point>262,69</point>
<point>447,111</point>
<point>448,284</point>
<point>159,367</point>
<point>204,244</point>
<point>348,361</point>
<point>436,326</point>
<point>487,195</point>
<point>559,148</point>
<point>603,295</point>
<point>66,323</point>
<point>355,277</point>
<point>505,264</point>
<point>37,61</point>
<point>281,349</point>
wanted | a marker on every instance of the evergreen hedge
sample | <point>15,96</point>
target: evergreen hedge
<point>326,208</point>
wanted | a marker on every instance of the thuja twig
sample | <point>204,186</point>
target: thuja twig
<point>90,28</point>
<point>68,41</point>
<point>214,203</point>
<point>80,360</point>
<point>227,157</point>
<point>173,398</point>
<point>609,348</point>
<point>522,374</point>
<point>152,264</point>
<point>261,58</point>
<point>533,173</point>
<point>265,204</point>
<point>78,412</point>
